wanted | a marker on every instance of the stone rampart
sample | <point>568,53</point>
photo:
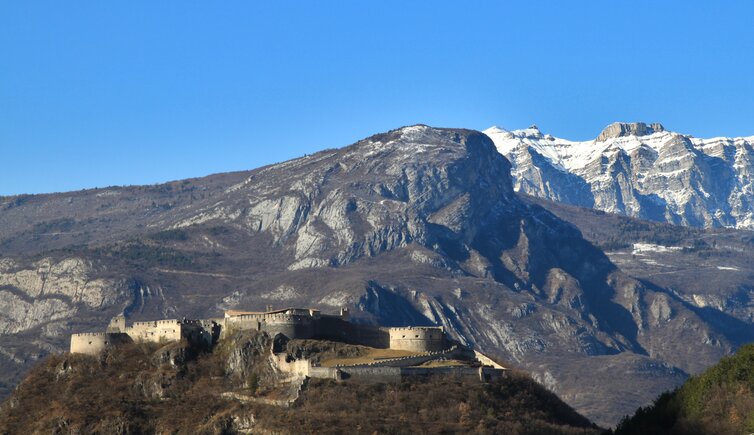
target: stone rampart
<point>485,360</point>
<point>408,361</point>
<point>338,329</point>
<point>93,343</point>
<point>325,373</point>
<point>90,343</point>
<point>291,324</point>
<point>155,331</point>
<point>300,367</point>
<point>370,374</point>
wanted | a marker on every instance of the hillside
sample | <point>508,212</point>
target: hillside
<point>711,271</point>
<point>718,401</point>
<point>416,226</point>
<point>639,170</point>
<point>174,389</point>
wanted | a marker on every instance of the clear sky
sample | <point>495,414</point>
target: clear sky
<point>103,93</point>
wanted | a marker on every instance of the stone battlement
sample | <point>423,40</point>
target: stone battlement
<point>416,328</point>
<point>292,323</point>
<point>89,334</point>
<point>417,338</point>
<point>153,323</point>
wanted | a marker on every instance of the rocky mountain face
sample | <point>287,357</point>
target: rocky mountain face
<point>639,170</point>
<point>415,226</point>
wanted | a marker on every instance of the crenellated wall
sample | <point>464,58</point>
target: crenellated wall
<point>155,331</point>
<point>291,324</point>
<point>92,343</point>
<point>300,323</point>
<point>417,338</point>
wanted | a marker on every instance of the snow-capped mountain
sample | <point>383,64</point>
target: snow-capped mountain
<point>639,170</point>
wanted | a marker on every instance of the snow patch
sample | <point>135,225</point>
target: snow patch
<point>644,248</point>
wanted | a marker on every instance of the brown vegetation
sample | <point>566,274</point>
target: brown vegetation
<point>174,389</point>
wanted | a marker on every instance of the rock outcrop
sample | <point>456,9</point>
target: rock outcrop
<point>621,129</point>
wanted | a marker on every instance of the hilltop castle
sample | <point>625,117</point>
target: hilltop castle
<point>290,322</point>
<point>416,350</point>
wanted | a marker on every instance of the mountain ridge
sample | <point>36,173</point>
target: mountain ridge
<point>640,170</point>
<point>418,225</point>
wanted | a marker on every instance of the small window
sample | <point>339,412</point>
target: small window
<point>416,336</point>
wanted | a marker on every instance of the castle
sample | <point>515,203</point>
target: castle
<point>417,347</point>
<point>289,322</point>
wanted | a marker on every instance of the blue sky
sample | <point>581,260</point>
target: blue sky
<point>94,94</point>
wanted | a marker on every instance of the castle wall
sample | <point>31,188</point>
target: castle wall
<point>93,343</point>
<point>337,328</point>
<point>371,374</point>
<point>484,359</point>
<point>117,324</point>
<point>155,331</point>
<point>292,324</point>
<point>90,343</point>
<point>408,361</point>
<point>300,367</point>
<point>417,339</point>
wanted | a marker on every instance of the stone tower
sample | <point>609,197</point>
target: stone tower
<point>117,324</point>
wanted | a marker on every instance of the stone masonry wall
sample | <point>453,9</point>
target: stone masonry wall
<point>90,343</point>
<point>417,339</point>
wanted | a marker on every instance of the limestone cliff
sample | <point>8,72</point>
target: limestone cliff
<point>639,170</point>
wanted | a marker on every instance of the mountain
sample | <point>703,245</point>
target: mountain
<point>418,225</point>
<point>235,389</point>
<point>720,400</point>
<point>639,170</point>
<point>710,270</point>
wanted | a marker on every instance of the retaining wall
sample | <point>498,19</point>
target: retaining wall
<point>484,359</point>
<point>407,361</point>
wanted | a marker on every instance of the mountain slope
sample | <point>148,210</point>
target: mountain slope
<point>415,226</point>
<point>638,170</point>
<point>720,400</point>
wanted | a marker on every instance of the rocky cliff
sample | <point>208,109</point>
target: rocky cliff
<point>639,170</point>
<point>414,226</point>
